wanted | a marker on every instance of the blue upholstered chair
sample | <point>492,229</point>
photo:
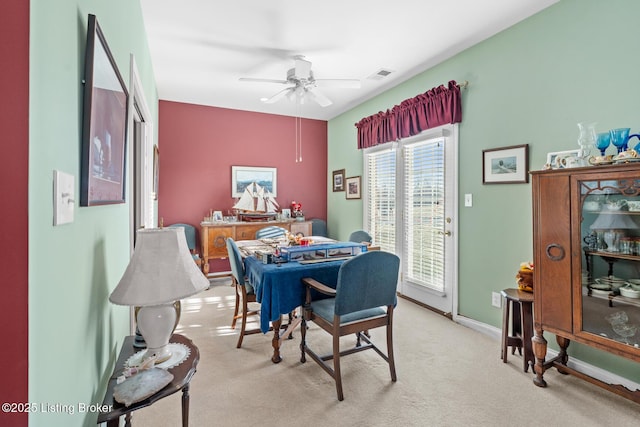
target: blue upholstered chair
<point>271,232</point>
<point>190,234</point>
<point>244,292</point>
<point>364,299</point>
<point>360,236</point>
<point>319,227</point>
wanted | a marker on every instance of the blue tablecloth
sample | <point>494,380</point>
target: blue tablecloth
<point>279,288</point>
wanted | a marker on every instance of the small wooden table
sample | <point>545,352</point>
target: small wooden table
<point>520,304</point>
<point>182,375</point>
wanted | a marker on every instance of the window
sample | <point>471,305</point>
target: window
<point>380,209</point>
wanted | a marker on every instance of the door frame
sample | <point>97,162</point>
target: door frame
<point>417,293</point>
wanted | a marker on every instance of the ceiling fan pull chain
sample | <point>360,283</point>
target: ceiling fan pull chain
<point>300,138</point>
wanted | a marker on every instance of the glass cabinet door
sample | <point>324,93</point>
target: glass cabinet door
<point>610,265</point>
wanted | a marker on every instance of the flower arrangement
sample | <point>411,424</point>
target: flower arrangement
<point>525,276</point>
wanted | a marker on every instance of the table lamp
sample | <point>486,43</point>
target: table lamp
<point>611,226</point>
<point>161,272</point>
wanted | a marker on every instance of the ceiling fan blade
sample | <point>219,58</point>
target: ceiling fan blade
<point>278,96</point>
<point>318,97</point>
<point>250,79</point>
<point>303,68</point>
<point>342,83</point>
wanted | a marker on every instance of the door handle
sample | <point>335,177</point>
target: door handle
<point>445,233</point>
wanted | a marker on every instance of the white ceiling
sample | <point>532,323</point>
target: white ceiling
<point>200,48</point>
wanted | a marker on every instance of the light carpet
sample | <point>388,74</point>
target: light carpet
<point>448,375</point>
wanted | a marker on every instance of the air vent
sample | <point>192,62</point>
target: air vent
<point>380,74</point>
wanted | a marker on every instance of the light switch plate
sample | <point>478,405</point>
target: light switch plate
<point>63,197</point>
<point>468,200</point>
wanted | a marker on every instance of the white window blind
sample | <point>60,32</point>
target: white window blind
<point>381,200</point>
<point>423,212</point>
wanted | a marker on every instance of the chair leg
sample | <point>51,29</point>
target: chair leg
<point>336,365</point>
<point>245,309</point>
<point>235,312</point>
<point>392,363</point>
<point>303,339</point>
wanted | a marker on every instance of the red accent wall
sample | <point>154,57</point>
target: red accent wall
<point>14,187</point>
<point>199,144</point>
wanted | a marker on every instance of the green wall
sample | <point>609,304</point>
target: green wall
<point>530,84</point>
<point>74,332</point>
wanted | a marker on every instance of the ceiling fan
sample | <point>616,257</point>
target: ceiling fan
<point>303,84</point>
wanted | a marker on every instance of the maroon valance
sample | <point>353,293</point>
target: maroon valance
<point>433,108</point>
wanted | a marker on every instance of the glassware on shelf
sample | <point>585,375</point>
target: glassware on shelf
<point>603,140</point>
<point>620,138</point>
<point>586,140</point>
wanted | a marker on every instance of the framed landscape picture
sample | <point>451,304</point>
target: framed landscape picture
<point>243,176</point>
<point>506,165</point>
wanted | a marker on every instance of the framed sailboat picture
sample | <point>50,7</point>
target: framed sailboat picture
<point>244,176</point>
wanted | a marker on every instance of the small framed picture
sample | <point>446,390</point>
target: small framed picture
<point>506,165</point>
<point>352,187</point>
<point>338,180</point>
<point>286,213</point>
<point>562,159</point>
<point>217,216</point>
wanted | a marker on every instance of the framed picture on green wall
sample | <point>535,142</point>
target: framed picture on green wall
<point>338,180</point>
<point>104,125</point>
<point>506,165</point>
<point>352,187</point>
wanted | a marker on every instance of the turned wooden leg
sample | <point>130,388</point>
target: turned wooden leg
<point>540,352</point>
<point>275,342</point>
<point>527,329</point>
<point>563,356</point>
<point>303,340</point>
<point>185,406</point>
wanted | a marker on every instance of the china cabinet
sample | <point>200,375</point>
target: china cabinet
<point>586,234</point>
<point>213,235</point>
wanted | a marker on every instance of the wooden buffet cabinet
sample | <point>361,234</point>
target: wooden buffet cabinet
<point>213,235</point>
<point>579,221</point>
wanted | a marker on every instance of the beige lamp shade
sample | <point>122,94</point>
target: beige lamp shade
<point>613,220</point>
<point>161,270</point>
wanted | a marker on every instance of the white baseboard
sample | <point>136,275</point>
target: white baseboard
<point>579,365</point>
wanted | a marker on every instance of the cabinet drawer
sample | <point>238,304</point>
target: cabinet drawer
<point>216,241</point>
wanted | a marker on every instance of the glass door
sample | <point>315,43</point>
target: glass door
<point>410,209</point>
<point>610,277</point>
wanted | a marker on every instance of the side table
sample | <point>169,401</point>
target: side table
<point>182,375</point>
<point>518,310</point>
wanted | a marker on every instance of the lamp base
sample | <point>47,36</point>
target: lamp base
<point>156,324</point>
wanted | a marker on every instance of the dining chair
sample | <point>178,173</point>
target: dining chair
<point>190,234</point>
<point>244,292</point>
<point>271,232</point>
<point>360,236</point>
<point>319,227</point>
<point>364,299</point>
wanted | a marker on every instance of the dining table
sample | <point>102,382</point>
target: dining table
<point>280,291</point>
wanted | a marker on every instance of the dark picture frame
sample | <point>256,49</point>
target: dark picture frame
<point>353,187</point>
<point>506,165</point>
<point>338,180</point>
<point>104,124</point>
